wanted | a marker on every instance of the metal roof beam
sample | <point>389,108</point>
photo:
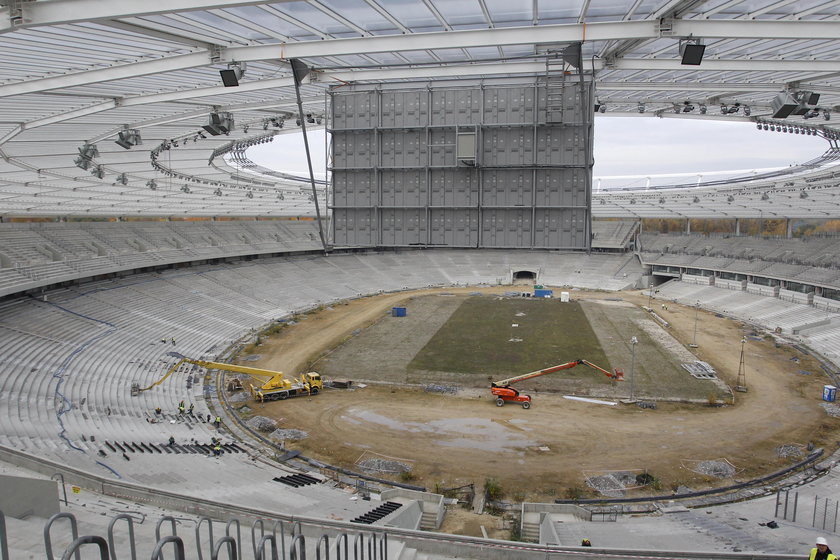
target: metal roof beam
<point>57,12</point>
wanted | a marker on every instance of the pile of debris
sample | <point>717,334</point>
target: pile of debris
<point>375,464</point>
<point>720,468</point>
<point>290,433</point>
<point>794,450</point>
<point>613,484</point>
<point>832,409</point>
<point>448,389</point>
<point>262,424</point>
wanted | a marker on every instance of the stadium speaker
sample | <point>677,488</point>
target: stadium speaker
<point>783,105</point>
<point>692,53</point>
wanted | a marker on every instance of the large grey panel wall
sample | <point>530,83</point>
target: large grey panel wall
<point>483,164</point>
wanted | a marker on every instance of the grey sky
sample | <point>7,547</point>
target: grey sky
<point>625,146</point>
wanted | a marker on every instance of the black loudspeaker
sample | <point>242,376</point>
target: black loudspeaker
<point>692,54</point>
<point>229,78</point>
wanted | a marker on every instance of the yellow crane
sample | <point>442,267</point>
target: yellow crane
<point>277,387</point>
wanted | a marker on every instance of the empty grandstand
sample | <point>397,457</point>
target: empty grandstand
<point>134,225</point>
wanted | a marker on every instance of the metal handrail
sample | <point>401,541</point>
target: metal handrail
<point>282,536</point>
<point>338,548</point>
<point>326,540</point>
<point>111,544</point>
<point>254,536</point>
<point>4,541</point>
<point>74,547</point>
<point>160,522</point>
<point>157,553</point>
<point>231,548</point>
<point>259,550</point>
<point>298,553</point>
<point>238,540</point>
<point>73,529</point>
<point>359,547</point>
<point>63,487</point>
<point>198,535</point>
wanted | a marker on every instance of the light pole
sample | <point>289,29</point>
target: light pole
<point>741,385</point>
<point>650,296</point>
<point>696,313</point>
<point>633,342</point>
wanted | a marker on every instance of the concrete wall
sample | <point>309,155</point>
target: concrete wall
<point>21,497</point>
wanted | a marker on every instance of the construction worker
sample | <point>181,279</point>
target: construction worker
<point>585,542</point>
<point>217,449</point>
<point>181,407</point>
<point>171,441</point>
<point>192,406</point>
<point>821,551</point>
<point>217,422</point>
<point>157,411</point>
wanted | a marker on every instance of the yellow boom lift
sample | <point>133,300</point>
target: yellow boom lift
<point>277,387</point>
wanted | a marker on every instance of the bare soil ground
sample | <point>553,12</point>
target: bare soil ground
<point>447,440</point>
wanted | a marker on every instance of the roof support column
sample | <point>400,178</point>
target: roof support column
<point>737,226</point>
<point>688,225</point>
<point>788,228</point>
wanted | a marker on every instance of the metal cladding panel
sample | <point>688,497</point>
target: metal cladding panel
<point>561,187</point>
<point>507,147</point>
<point>354,188</point>
<point>404,108</point>
<point>403,148</point>
<point>561,146</point>
<point>506,227</point>
<point>507,187</point>
<point>355,227</point>
<point>353,110</point>
<point>456,186</point>
<point>453,228</point>
<point>527,183</point>
<point>353,150</point>
<point>442,147</point>
<point>403,226</point>
<point>403,187</point>
<point>509,105</point>
<point>456,106</point>
<point>560,228</point>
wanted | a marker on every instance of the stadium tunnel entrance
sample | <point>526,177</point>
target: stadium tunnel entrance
<point>523,277</point>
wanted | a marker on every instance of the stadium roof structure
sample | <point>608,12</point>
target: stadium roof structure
<point>118,108</point>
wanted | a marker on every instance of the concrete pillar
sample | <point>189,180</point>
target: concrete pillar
<point>737,226</point>
<point>789,228</point>
<point>688,225</point>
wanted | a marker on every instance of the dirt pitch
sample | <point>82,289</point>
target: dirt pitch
<point>447,440</point>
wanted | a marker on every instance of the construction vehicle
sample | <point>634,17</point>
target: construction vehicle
<point>277,387</point>
<point>504,393</point>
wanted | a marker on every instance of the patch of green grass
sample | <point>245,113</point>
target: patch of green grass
<point>477,338</point>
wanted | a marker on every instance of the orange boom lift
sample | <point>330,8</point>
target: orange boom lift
<point>503,391</point>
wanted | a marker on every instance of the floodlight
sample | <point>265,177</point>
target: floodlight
<point>692,51</point>
<point>218,192</point>
<point>185,189</point>
<point>641,107</point>
<point>687,107</point>
<point>703,109</point>
<point>128,137</point>
<point>783,105</point>
<point>122,179</point>
<point>97,171</point>
<point>765,196</point>
<point>249,194</point>
<point>747,110</point>
<point>219,123</point>
<point>234,73</point>
<point>803,194</point>
<point>82,163</point>
<point>152,184</point>
<point>299,70</point>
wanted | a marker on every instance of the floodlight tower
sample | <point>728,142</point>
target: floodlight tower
<point>696,313</point>
<point>633,342</point>
<point>741,385</point>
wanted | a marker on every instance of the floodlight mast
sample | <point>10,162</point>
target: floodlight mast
<point>299,72</point>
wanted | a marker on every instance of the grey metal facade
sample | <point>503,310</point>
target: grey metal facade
<point>483,164</point>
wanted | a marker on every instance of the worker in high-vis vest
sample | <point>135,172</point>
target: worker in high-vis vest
<point>821,551</point>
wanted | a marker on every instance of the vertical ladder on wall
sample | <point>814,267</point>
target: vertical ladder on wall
<point>555,82</point>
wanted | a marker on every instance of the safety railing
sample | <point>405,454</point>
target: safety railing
<point>285,541</point>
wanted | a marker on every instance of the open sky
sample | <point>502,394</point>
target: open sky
<point>625,146</point>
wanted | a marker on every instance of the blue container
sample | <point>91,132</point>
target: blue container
<point>543,293</point>
<point>398,312</point>
<point>829,393</point>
